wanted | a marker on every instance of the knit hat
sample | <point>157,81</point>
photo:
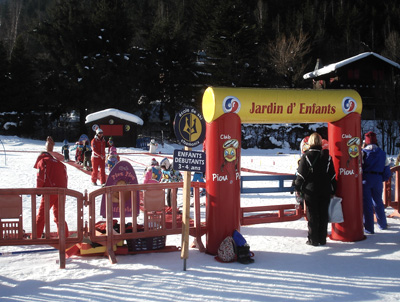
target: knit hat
<point>370,138</point>
<point>154,162</point>
<point>99,131</point>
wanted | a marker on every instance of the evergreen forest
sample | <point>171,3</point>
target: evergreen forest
<point>63,56</point>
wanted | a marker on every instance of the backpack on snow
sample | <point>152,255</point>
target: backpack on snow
<point>234,248</point>
<point>243,253</point>
<point>227,250</point>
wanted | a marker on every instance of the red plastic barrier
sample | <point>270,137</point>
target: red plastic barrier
<point>387,192</point>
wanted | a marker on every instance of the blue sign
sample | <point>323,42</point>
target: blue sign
<point>189,161</point>
<point>190,127</point>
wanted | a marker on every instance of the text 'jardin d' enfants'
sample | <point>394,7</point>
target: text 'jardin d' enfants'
<point>302,108</point>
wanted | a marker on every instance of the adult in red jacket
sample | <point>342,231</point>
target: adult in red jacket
<point>51,173</point>
<point>98,157</point>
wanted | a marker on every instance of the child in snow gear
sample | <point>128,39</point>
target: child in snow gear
<point>65,151</point>
<point>112,158</point>
<point>79,153</point>
<point>51,173</point>
<point>376,170</point>
<point>149,178</point>
<point>316,180</point>
<point>110,144</point>
<point>155,168</point>
<point>98,157</point>
<point>87,154</point>
<point>169,175</point>
<point>198,176</point>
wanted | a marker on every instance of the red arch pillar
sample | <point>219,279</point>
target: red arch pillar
<point>340,108</point>
<point>344,140</point>
<point>223,150</point>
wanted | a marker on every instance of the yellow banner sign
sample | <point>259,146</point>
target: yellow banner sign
<point>263,106</point>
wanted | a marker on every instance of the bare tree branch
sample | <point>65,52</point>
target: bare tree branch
<point>15,12</point>
<point>288,56</point>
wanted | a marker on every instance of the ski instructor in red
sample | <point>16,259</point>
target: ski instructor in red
<point>98,157</point>
<point>51,173</point>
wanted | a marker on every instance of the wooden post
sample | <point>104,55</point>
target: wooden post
<point>109,226</point>
<point>186,214</point>
<point>61,227</point>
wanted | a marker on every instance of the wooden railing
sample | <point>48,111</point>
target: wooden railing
<point>389,199</point>
<point>270,213</point>
<point>11,218</point>
<point>111,238</point>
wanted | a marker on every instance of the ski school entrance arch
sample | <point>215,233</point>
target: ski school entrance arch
<point>224,110</point>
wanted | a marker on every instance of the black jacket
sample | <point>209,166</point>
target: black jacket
<point>316,175</point>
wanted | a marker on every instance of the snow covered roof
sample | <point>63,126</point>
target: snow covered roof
<point>334,66</point>
<point>113,112</point>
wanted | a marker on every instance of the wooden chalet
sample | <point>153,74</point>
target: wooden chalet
<point>373,76</point>
<point>121,125</point>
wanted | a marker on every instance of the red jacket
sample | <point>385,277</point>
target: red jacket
<point>52,172</point>
<point>98,147</point>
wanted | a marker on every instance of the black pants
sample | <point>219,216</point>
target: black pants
<point>169,196</point>
<point>66,155</point>
<point>317,216</point>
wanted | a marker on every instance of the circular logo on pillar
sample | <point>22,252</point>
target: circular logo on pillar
<point>353,145</point>
<point>231,104</point>
<point>349,105</point>
<point>189,127</point>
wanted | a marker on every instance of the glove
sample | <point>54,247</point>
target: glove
<point>299,197</point>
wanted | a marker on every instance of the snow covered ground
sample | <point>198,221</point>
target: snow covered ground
<point>285,268</point>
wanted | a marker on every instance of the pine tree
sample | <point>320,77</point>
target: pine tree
<point>232,44</point>
<point>22,83</point>
<point>4,79</point>
<point>170,60</point>
<point>89,44</point>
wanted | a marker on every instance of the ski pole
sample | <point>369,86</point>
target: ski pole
<point>5,155</point>
<point>27,252</point>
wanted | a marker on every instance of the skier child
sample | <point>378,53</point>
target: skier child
<point>112,158</point>
<point>65,151</point>
<point>79,153</point>
<point>169,175</point>
<point>155,168</point>
<point>87,154</point>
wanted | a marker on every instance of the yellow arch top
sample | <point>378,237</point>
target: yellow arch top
<point>263,106</point>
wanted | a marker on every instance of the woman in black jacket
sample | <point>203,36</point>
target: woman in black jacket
<point>316,181</point>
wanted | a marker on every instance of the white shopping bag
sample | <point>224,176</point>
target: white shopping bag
<point>335,210</point>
